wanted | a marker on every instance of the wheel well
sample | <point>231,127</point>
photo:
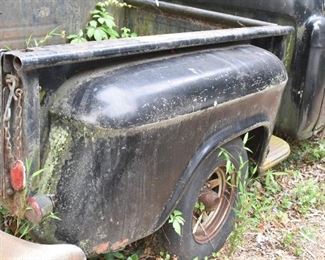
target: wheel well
<point>257,143</point>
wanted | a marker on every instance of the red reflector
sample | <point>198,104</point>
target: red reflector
<point>34,214</point>
<point>18,176</point>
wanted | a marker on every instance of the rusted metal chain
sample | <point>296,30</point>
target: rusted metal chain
<point>11,99</point>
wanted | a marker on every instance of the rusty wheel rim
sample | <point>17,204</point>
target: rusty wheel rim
<point>217,196</point>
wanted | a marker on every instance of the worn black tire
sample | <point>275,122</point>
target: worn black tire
<point>185,246</point>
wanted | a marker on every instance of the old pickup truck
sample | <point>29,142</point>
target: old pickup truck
<point>127,130</point>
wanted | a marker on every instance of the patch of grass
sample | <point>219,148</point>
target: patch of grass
<point>293,241</point>
<point>15,226</point>
<point>307,195</point>
<point>292,191</point>
<point>243,222</point>
<point>255,208</point>
<point>304,152</point>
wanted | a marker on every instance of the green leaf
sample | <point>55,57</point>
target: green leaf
<point>112,33</point>
<point>35,43</point>
<point>125,30</point>
<point>119,255</point>
<point>100,6</point>
<point>95,12</point>
<point>53,216</point>
<point>93,23</point>
<point>228,166</point>
<point>35,174</point>
<point>109,21</point>
<point>254,170</point>
<point>247,149</point>
<point>78,40</point>
<point>133,257</point>
<point>180,220</point>
<point>25,229</point>
<point>177,227</point>
<point>72,36</point>
<point>177,212</point>
<point>101,20</point>
<point>104,35</point>
<point>7,47</point>
<point>109,256</point>
<point>28,164</point>
<point>90,32</point>
<point>98,34</point>
<point>245,139</point>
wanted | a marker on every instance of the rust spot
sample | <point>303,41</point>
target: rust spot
<point>101,248</point>
<point>105,247</point>
<point>119,244</point>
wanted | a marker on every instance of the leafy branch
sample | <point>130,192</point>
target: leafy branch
<point>102,25</point>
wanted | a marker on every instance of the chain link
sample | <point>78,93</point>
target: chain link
<point>18,123</point>
<point>14,99</point>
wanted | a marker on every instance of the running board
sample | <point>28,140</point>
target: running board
<point>279,150</point>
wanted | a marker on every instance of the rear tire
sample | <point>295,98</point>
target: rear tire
<point>205,232</point>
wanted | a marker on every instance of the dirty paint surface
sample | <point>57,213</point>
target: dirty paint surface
<point>106,171</point>
<point>112,130</point>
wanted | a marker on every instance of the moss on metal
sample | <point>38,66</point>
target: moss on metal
<point>59,144</point>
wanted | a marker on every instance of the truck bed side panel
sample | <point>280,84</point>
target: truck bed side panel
<point>121,138</point>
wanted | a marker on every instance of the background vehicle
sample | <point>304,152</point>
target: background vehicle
<point>129,129</point>
<point>302,111</point>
